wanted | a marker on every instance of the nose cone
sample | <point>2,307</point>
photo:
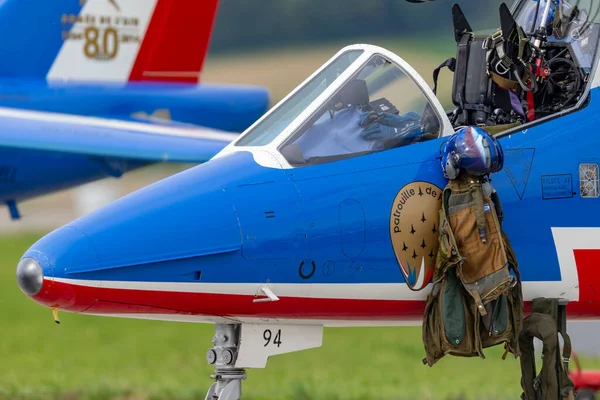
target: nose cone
<point>51,271</point>
<point>30,276</point>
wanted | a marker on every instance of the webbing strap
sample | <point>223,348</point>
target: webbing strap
<point>460,75</point>
<point>478,107</point>
<point>510,252</point>
<point>446,223</point>
<point>478,302</point>
<point>504,83</point>
<point>530,106</point>
<point>566,353</point>
<point>506,62</point>
<point>562,329</point>
<point>478,199</point>
<point>564,381</point>
<point>523,42</point>
<point>450,63</point>
<point>496,42</point>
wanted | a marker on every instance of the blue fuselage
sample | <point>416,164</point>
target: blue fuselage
<point>310,231</point>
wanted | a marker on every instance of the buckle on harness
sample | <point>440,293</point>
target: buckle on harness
<point>498,70</point>
<point>492,41</point>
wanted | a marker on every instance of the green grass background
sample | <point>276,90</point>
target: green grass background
<point>98,358</point>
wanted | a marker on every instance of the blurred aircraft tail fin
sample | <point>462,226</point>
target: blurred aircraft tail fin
<point>105,40</point>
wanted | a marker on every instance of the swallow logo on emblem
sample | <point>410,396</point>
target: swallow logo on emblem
<point>414,231</point>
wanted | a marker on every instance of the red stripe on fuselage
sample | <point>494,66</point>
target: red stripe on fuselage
<point>588,271</point>
<point>76,298</point>
<point>176,41</point>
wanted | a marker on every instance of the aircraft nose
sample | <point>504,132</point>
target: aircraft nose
<point>123,256</point>
<point>30,276</point>
<point>60,270</point>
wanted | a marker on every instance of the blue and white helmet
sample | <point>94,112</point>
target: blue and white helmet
<point>472,150</point>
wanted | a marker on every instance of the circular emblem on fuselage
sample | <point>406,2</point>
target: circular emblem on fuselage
<point>414,231</point>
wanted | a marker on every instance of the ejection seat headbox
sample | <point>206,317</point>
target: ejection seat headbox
<point>354,93</point>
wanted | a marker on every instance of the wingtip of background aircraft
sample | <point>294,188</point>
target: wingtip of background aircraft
<point>95,136</point>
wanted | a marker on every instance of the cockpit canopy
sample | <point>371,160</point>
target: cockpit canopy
<point>361,101</point>
<point>378,108</point>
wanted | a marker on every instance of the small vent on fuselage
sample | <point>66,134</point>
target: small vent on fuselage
<point>269,214</point>
<point>193,276</point>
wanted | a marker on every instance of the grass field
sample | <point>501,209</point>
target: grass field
<point>98,358</point>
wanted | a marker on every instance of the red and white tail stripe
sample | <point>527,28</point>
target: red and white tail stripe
<point>134,40</point>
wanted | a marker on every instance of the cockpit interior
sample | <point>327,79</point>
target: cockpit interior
<point>535,65</point>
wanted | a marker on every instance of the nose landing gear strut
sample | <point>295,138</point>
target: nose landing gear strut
<point>228,378</point>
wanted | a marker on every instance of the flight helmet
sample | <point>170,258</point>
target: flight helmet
<point>473,150</point>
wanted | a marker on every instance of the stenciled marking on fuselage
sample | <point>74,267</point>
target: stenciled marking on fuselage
<point>413,231</point>
<point>517,166</point>
<point>308,265</point>
<point>559,186</point>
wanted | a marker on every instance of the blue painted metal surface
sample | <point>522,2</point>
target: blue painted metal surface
<point>31,173</point>
<point>32,36</point>
<point>226,107</point>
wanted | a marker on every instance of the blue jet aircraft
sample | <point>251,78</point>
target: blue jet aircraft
<point>133,66</point>
<point>319,215</point>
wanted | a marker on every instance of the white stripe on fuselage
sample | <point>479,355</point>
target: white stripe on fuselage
<point>207,319</point>
<point>130,20</point>
<point>353,291</point>
<point>191,131</point>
